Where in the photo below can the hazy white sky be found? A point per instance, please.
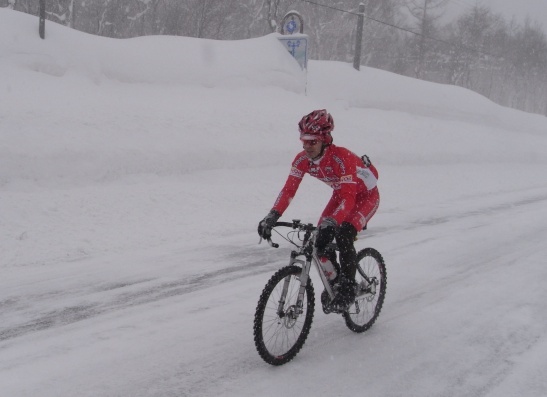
(536, 9)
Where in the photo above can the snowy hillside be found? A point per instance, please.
(133, 174)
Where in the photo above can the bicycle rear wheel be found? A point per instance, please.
(279, 329)
(372, 279)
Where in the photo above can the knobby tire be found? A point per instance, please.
(279, 338)
(371, 264)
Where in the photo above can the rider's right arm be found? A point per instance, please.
(298, 169)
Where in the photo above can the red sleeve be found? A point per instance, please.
(298, 169)
(348, 188)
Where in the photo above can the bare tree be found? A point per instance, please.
(472, 38)
(530, 59)
(61, 11)
(28, 6)
(426, 13)
(379, 35)
(273, 5)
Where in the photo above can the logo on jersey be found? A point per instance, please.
(296, 172)
(298, 161)
(314, 171)
(346, 179)
(340, 163)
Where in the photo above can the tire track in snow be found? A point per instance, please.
(145, 294)
(250, 267)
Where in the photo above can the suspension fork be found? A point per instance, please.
(306, 266)
(304, 275)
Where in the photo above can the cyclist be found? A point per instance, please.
(354, 200)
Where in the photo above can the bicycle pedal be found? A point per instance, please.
(328, 306)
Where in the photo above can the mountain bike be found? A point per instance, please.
(285, 309)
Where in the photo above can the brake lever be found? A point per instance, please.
(270, 242)
(274, 245)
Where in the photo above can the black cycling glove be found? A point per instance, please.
(266, 224)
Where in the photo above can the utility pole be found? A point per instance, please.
(42, 27)
(359, 37)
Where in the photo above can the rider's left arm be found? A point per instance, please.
(347, 192)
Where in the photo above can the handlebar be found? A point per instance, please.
(288, 224)
(295, 224)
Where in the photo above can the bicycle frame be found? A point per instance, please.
(307, 251)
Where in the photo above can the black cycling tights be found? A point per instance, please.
(344, 238)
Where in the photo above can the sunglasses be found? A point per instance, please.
(310, 142)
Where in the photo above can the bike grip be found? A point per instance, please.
(288, 224)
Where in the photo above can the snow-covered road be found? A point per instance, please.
(465, 309)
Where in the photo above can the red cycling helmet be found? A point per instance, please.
(317, 125)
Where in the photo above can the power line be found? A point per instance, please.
(403, 29)
(332, 8)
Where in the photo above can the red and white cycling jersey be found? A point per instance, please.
(355, 196)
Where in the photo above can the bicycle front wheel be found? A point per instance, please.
(371, 277)
(280, 325)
